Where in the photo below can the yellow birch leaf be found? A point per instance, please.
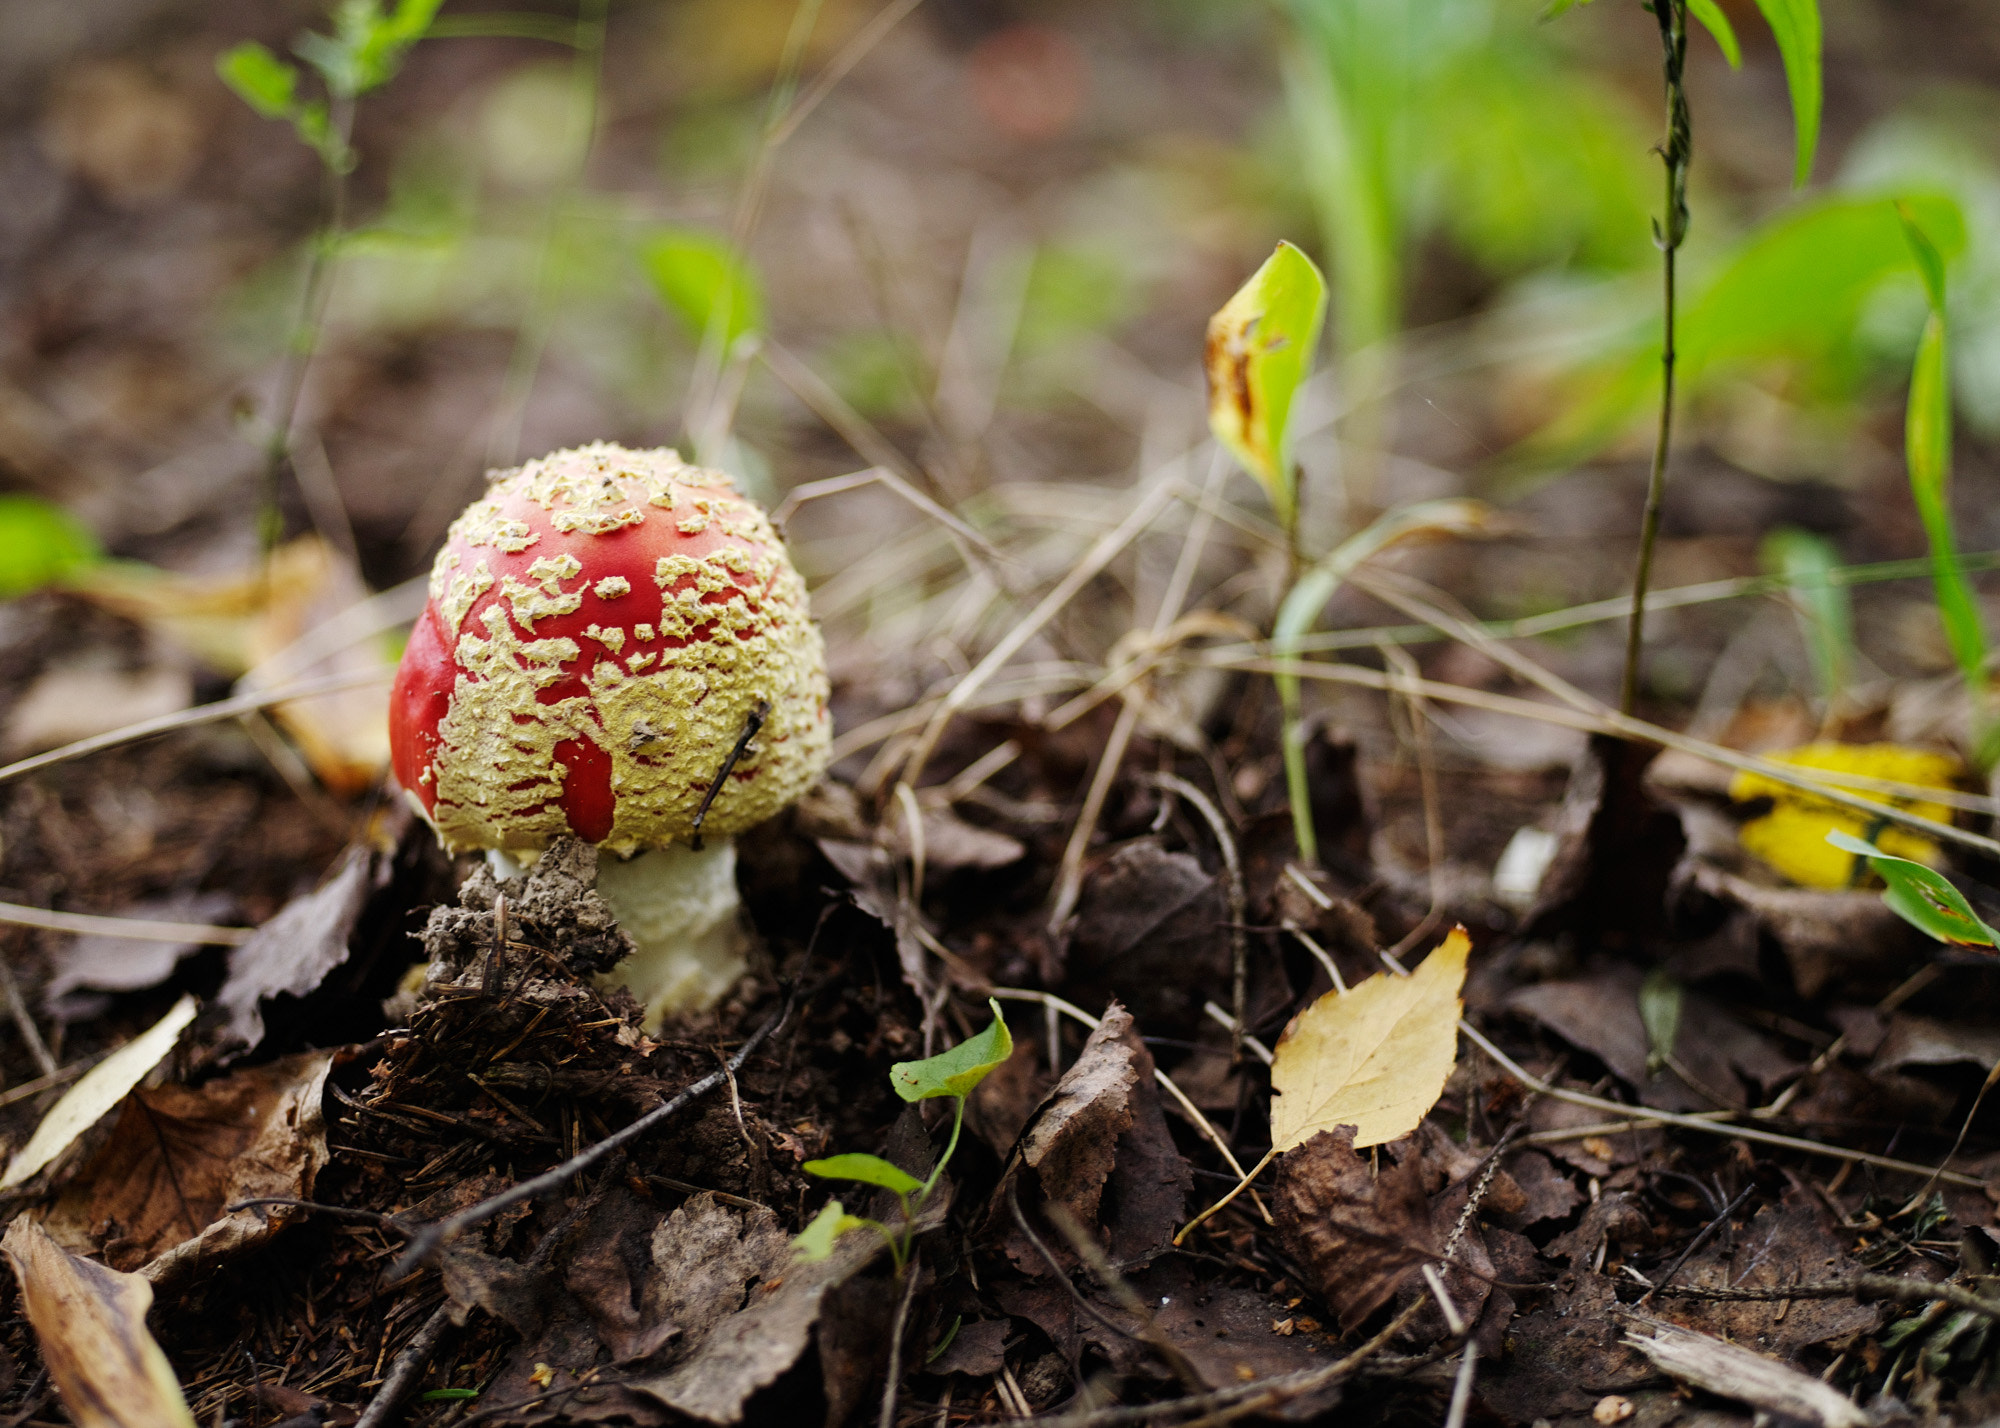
(1374, 1057)
(1792, 836)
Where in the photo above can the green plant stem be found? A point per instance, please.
(1674, 155)
(957, 1123)
(303, 339)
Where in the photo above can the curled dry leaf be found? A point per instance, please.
(294, 951)
(91, 1323)
(102, 1087)
(1375, 1057)
(1357, 1233)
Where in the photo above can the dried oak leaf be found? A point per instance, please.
(1358, 1235)
(91, 1324)
(152, 1198)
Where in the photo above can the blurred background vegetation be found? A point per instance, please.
(979, 239)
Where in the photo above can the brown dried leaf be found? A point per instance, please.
(294, 951)
(91, 1323)
(1357, 1235)
(1375, 1057)
(749, 1347)
(152, 1198)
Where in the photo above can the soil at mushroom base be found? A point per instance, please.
(604, 626)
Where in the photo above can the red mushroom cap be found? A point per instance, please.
(602, 624)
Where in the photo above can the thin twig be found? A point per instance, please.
(1707, 1232)
(1861, 1287)
(1726, 1129)
(1101, 1269)
(406, 1370)
(31, 1035)
(201, 714)
(1461, 1388)
(138, 929)
(429, 1239)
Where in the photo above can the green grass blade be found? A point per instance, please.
(1795, 24)
(1716, 22)
(1927, 448)
(1826, 612)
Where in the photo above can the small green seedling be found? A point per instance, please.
(1921, 896)
(952, 1073)
(364, 52)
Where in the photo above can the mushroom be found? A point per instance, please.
(617, 647)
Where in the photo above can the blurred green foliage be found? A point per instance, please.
(41, 544)
(703, 282)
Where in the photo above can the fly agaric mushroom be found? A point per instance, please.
(607, 630)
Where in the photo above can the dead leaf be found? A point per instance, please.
(1599, 1013)
(1099, 1148)
(1563, 1357)
(91, 1324)
(1357, 1234)
(76, 701)
(123, 964)
(102, 1087)
(1149, 932)
(1618, 850)
(293, 952)
(152, 1198)
(1788, 1243)
(977, 1350)
(1375, 1057)
(746, 1348)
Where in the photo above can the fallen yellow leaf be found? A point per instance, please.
(1374, 1057)
(1792, 836)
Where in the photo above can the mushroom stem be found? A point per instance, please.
(680, 905)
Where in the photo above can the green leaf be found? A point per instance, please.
(868, 1169)
(815, 1242)
(957, 1071)
(1795, 25)
(260, 79)
(703, 281)
(1259, 352)
(1660, 1012)
(445, 1395)
(41, 544)
(1929, 261)
(1922, 896)
(1714, 20)
(1807, 562)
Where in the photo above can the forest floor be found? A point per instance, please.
(1695, 1110)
